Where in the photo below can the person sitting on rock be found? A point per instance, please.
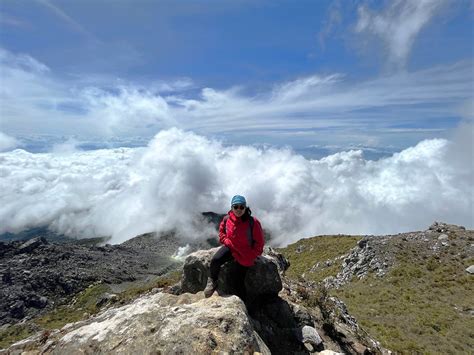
(242, 239)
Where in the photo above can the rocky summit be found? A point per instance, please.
(409, 292)
(284, 323)
(269, 322)
(158, 323)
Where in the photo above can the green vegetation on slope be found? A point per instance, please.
(305, 253)
(422, 305)
(16, 332)
(167, 280)
(84, 304)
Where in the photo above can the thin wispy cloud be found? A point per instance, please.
(33, 98)
(332, 21)
(398, 25)
(8, 20)
(73, 24)
(21, 62)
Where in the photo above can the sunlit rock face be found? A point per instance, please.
(158, 323)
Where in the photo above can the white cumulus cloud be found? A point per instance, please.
(7, 142)
(128, 191)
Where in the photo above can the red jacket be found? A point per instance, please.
(237, 239)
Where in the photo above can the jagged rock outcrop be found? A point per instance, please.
(156, 324)
(374, 254)
(361, 260)
(312, 306)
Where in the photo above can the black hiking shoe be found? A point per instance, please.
(210, 287)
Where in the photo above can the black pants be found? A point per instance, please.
(222, 256)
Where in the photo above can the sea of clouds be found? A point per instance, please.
(127, 191)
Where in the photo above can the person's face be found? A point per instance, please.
(239, 210)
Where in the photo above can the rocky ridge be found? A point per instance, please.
(283, 316)
(373, 254)
(412, 291)
(277, 311)
(272, 320)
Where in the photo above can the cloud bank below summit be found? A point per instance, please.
(127, 191)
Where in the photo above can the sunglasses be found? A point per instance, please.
(238, 207)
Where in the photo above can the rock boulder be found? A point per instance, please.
(262, 279)
(159, 323)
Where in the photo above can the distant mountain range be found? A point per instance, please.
(50, 236)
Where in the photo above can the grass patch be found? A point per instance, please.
(421, 306)
(83, 304)
(14, 333)
(163, 281)
(305, 253)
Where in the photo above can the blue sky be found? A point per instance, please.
(319, 76)
(331, 117)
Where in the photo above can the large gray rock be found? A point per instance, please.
(196, 270)
(262, 279)
(157, 324)
(311, 336)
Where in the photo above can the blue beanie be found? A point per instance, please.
(238, 200)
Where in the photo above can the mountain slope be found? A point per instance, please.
(411, 291)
